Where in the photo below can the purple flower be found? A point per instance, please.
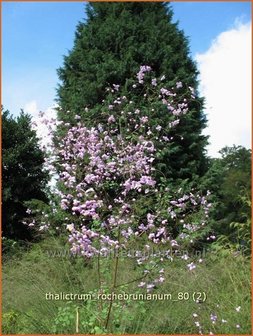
(179, 85)
(150, 287)
(142, 284)
(144, 119)
(141, 73)
(116, 87)
(111, 119)
(191, 266)
(213, 318)
(154, 82)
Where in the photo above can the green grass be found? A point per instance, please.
(27, 277)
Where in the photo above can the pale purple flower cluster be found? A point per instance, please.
(169, 98)
(90, 161)
(154, 82)
(213, 318)
(141, 73)
(103, 171)
(179, 85)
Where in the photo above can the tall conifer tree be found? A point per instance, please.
(23, 177)
(109, 47)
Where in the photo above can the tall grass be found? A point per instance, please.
(28, 277)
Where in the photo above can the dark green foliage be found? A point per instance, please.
(109, 48)
(22, 175)
(229, 180)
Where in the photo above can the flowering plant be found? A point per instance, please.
(108, 186)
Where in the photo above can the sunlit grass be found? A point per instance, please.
(225, 281)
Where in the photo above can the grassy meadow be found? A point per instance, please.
(47, 267)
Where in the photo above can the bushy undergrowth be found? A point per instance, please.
(48, 268)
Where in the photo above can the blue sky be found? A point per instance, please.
(35, 38)
(203, 21)
(36, 35)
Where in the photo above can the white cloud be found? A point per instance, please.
(43, 130)
(225, 82)
(43, 125)
(31, 108)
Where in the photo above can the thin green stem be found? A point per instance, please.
(113, 283)
(99, 282)
(126, 283)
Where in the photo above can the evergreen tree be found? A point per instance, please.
(229, 180)
(22, 176)
(109, 48)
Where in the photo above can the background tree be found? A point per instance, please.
(22, 176)
(229, 180)
(109, 48)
